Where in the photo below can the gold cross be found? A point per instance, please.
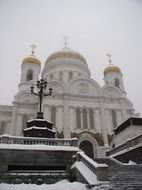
(66, 40)
(33, 46)
(109, 58)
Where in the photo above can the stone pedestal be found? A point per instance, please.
(39, 128)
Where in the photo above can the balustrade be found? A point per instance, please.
(5, 139)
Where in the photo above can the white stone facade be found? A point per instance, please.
(80, 107)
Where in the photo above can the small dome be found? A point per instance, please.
(31, 59)
(111, 69)
(66, 53)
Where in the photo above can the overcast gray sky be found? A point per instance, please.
(94, 28)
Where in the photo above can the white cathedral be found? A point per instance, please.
(79, 107)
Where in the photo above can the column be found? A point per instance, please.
(94, 118)
(71, 119)
(88, 119)
(81, 118)
(74, 114)
(109, 121)
(47, 112)
(19, 126)
(97, 120)
(123, 107)
(59, 119)
(8, 127)
(66, 118)
(119, 117)
(103, 123)
(13, 123)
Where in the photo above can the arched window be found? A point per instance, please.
(2, 128)
(91, 119)
(53, 115)
(29, 75)
(78, 118)
(117, 82)
(114, 119)
(84, 118)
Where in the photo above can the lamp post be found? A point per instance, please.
(41, 85)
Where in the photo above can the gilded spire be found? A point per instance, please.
(33, 46)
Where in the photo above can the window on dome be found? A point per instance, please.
(117, 83)
(2, 128)
(51, 76)
(60, 75)
(29, 75)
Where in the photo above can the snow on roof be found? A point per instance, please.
(40, 128)
(38, 120)
(38, 147)
(64, 185)
(90, 177)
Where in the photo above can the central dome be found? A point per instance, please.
(66, 53)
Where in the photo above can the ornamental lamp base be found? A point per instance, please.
(40, 115)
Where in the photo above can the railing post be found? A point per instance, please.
(5, 139)
(74, 142)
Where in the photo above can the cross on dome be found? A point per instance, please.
(33, 46)
(109, 58)
(65, 41)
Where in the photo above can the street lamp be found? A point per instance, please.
(41, 85)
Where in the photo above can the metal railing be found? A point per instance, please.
(6, 139)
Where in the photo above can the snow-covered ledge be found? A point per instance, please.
(7, 139)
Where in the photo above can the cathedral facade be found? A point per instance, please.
(79, 107)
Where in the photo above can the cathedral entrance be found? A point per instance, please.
(87, 147)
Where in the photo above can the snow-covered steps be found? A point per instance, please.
(122, 176)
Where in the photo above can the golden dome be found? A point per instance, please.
(31, 59)
(111, 69)
(66, 53)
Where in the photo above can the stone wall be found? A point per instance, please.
(12, 158)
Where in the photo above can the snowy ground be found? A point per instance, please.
(62, 185)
